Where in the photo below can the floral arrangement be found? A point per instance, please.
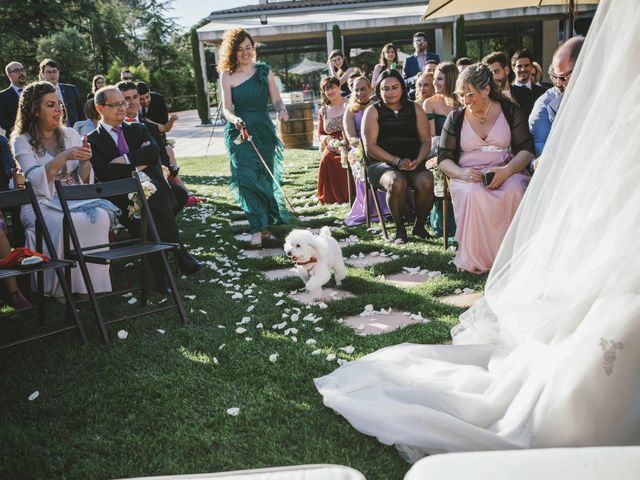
(357, 161)
(341, 146)
(148, 188)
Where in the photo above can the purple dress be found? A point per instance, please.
(357, 214)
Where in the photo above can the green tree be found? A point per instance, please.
(461, 45)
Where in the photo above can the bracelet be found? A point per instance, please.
(396, 161)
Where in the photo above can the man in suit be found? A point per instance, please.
(153, 105)
(499, 64)
(9, 97)
(414, 64)
(131, 96)
(522, 64)
(68, 94)
(118, 149)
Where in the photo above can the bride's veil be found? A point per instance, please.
(576, 235)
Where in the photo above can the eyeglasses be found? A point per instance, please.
(18, 70)
(461, 96)
(563, 78)
(419, 40)
(117, 105)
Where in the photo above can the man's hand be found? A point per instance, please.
(119, 160)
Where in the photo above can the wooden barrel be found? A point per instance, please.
(297, 132)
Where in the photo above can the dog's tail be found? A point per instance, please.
(325, 231)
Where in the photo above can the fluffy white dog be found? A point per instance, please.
(315, 257)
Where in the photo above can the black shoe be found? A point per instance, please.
(187, 263)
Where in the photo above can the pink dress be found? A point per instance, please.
(482, 215)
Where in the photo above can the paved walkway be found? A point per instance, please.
(193, 140)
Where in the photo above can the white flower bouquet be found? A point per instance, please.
(148, 188)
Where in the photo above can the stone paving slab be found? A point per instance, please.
(463, 300)
(406, 280)
(243, 237)
(264, 252)
(237, 223)
(329, 295)
(366, 261)
(379, 323)
(280, 273)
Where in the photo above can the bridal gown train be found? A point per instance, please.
(550, 356)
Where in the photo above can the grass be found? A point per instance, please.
(157, 403)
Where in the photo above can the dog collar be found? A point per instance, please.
(311, 260)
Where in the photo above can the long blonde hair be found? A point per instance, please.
(28, 114)
(450, 72)
(231, 40)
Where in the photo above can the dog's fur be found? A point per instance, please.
(303, 246)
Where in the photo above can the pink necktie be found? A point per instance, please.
(123, 148)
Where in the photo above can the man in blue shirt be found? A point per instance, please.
(546, 106)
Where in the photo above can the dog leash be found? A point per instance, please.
(245, 135)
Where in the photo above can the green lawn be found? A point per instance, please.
(157, 403)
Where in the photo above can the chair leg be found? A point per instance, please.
(41, 299)
(445, 234)
(174, 289)
(367, 189)
(349, 190)
(72, 310)
(376, 203)
(94, 301)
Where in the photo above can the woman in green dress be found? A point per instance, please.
(247, 86)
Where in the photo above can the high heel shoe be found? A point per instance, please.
(18, 301)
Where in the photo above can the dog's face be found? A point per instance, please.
(300, 246)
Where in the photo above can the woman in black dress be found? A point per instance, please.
(397, 140)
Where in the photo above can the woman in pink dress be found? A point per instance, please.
(484, 150)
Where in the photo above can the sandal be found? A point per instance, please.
(256, 240)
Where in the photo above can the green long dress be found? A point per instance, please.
(251, 185)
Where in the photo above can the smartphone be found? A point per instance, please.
(488, 177)
(85, 141)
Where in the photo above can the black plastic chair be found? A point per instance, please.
(26, 196)
(118, 250)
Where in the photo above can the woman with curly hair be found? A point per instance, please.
(46, 151)
(388, 59)
(247, 86)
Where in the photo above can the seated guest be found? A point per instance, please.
(97, 82)
(85, 127)
(462, 63)
(7, 164)
(397, 140)
(437, 109)
(388, 59)
(154, 109)
(118, 149)
(498, 63)
(332, 177)
(522, 65)
(360, 100)
(430, 66)
(424, 88)
(131, 96)
(489, 135)
(339, 69)
(67, 93)
(16, 299)
(17, 75)
(47, 151)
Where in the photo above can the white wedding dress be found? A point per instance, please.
(551, 356)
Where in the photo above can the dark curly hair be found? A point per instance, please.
(29, 112)
(231, 40)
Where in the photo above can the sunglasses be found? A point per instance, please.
(562, 78)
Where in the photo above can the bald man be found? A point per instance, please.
(9, 97)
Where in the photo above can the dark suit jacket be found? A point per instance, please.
(537, 91)
(104, 149)
(411, 66)
(157, 111)
(8, 109)
(72, 103)
(523, 97)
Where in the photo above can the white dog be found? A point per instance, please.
(315, 257)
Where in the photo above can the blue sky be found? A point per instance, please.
(189, 12)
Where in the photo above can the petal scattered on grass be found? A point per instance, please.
(190, 297)
(331, 357)
(350, 349)
(273, 358)
(123, 334)
(33, 396)
(311, 341)
(132, 300)
(240, 330)
(233, 411)
(159, 330)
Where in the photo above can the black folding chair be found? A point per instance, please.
(26, 196)
(117, 250)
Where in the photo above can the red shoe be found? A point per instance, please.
(193, 200)
(18, 301)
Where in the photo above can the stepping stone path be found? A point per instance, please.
(243, 237)
(264, 252)
(367, 261)
(237, 223)
(463, 300)
(406, 280)
(307, 218)
(375, 324)
(329, 295)
(280, 273)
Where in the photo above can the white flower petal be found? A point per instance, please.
(202, 312)
(331, 357)
(311, 341)
(240, 330)
(259, 325)
(273, 358)
(350, 349)
(132, 300)
(233, 411)
(123, 334)
(250, 307)
(215, 361)
(159, 330)
(127, 295)
(316, 352)
(190, 297)
(279, 302)
(33, 396)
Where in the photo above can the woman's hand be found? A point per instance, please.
(238, 123)
(78, 153)
(405, 164)
(501, 174)
(471, 175)
(283, 115)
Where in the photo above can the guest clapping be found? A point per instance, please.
(484, 149)
(339, 68)
(397, 140)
